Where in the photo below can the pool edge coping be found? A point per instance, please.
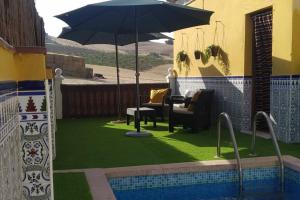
(101, 190)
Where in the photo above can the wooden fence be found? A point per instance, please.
(101, 100)
(20, 24)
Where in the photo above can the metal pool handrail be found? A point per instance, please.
(275, 143)
(237, 155)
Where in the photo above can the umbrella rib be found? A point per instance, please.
(175, 7)
(89, 18)
(89, 38)
(161, 23)
(122, 22)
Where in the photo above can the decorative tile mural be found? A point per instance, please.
(52, 117)
(33, 118)
(10, 158)
(285, 108)
(232, 95)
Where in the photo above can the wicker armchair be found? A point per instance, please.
(160, 108)
(198, 118)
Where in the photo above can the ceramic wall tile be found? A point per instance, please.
(232, 95)
(10, 158)
(34, 126)
(285, 108)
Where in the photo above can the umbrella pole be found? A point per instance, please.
(137, 76)
(119, 120)
(118, 79)
(138, 132)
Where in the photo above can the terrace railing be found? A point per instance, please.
(275, 143)
(236, 151)
(81, 101)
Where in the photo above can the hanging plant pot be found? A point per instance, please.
(215, 50)
(182, 59)
(212, 50)
(182, 56)
(197, 54)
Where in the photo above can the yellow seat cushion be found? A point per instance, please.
(195, 98)
(157, 96)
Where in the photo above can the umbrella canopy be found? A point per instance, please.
(135, 16)
(86, 37)
(122, 16)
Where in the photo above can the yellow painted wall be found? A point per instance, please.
(282, 37)
(296, 37)
(16, 66)
(30, 66)
(237, 40)
(7, 66)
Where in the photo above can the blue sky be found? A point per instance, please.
(49, 8)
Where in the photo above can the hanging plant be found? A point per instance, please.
(212, 50)
(182, 59)
(220, 55)
(197, 54)
(200, 55)
(182, 56)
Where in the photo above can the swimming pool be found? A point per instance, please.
(259, 184)
(206, 180)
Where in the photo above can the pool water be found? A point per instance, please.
(259, 184)
(254, 190)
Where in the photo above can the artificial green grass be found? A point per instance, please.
(96, 143)
(71, 186)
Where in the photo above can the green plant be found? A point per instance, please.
(182, 60)
(200, 55)
(212, 50)
(220, 55)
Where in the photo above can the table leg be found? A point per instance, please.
(154, 120)
(135, 120)
(146, 119)
(128, 119)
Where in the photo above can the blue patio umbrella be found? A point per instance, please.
(135, 16)
(86, 37)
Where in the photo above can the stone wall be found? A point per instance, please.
(71, 65)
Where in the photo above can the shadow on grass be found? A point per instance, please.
(96, 143)
(92, 143)
(208, 138)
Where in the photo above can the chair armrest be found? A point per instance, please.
(177, 99)
(143, 98)
(188, 101)
(174, 99)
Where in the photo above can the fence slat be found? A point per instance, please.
(81, 101)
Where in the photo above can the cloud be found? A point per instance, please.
(49, 8)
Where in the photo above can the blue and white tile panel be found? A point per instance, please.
(191, 178)
(232, 95)
(285, 108)
(10, 158)
(52, 117)
(33, 118)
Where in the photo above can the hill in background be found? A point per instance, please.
(152, 54)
